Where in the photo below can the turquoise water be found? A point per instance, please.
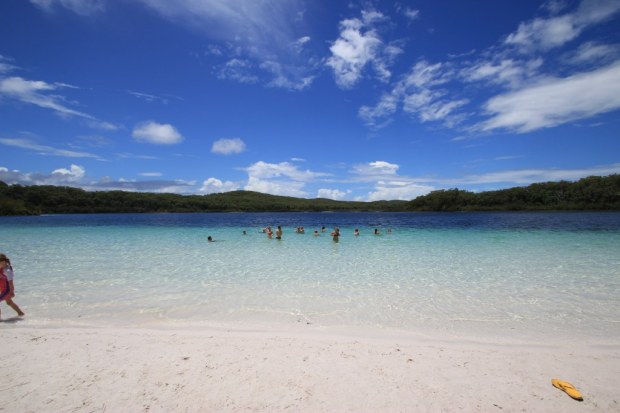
(536, 274)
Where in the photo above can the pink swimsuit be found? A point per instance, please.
(4, 286)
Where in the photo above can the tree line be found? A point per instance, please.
(592, 193)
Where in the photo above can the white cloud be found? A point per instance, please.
(62, 176)
(286, 188)
(44, 149)
(279, 179)
(332, 194)
(556, 101)
(75, 173)
(376, 168)
(157, 133)
(265, 170)
(82, 7)
(214, 185)
(412, 14)
(546, 34)
(150, 174)
(228, 146)
(403, 191)
(358, 46)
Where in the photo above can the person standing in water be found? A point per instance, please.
(279, 232)
(336, 234)
(7, 288)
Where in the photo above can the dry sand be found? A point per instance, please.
(275, 369)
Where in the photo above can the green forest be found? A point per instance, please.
(592, 193)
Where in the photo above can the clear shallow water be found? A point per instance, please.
(518, 274)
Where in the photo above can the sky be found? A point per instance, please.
(348, 100)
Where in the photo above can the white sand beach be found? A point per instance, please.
(229, 368)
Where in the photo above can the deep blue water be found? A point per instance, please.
(557, 221)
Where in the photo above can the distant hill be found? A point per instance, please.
(593, 193)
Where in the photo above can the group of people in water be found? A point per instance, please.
(335, 234)
(7, 288)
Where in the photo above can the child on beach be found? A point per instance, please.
(7, 289)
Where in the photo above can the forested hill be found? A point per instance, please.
(33, 200)
(593, 193)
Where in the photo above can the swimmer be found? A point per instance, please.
(336, 234)
(356, 232)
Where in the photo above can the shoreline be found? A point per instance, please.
(237, 366)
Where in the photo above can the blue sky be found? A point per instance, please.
(350, 100)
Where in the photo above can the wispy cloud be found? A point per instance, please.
(157, 186)
(45, 95)
(524, 95)
(548, 33)
(147, 97)
(593, 53)
(6, 65)
(556, 101)
(421, 93)
(81, 7)
(44, 149)
(530, 176)
(265, 36)
(126, 155)
(239, 70)
(39, 93)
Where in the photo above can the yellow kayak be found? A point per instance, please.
(567, 388)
